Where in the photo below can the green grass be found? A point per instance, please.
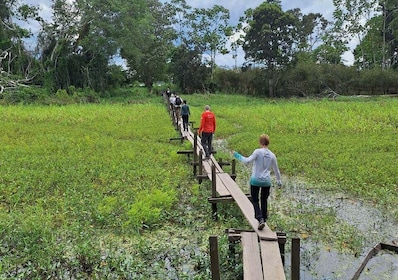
(98, 191)
(348, 145)
(70, 174)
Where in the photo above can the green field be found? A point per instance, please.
(98, 191)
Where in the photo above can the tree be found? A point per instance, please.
(178, 12)
(308, 30)
(331, 51)
(209, 32)
(146, 40)
(350, 19)
(78, 44)
(188, 71)
(269, 37)
(370, 52)
(15, 61)
(390, 34)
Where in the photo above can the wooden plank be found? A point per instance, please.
(272, 262)
(391, 247)
(221, 189)
(252, 269)
(185, 152)
(246, 207)
(373, 252)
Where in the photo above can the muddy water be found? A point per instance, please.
(374, 226)
(320, 262)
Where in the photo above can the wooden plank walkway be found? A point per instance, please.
(251, 256)
(261, 255)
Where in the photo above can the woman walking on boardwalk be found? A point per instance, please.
(260, 181)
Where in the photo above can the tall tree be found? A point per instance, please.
(389, 10)
(370, 52)
(147, 49)
(77, 45)
(179, 11)
(350, 19)
(269, 37)
(15, 61)
(209, 32)
(188, 70)
(308, 30)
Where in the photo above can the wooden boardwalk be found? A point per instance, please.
(261, 254)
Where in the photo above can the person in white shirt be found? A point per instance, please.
(260, 181)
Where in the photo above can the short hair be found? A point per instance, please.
(207, 107)
(264, 139)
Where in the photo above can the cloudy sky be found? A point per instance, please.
(236, 8)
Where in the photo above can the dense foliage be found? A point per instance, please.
(102, 46)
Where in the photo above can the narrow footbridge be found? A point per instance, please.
(261, 253)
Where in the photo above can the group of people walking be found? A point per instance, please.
(180, 108)
(263, 160)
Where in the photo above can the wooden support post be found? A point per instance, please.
(200, 167)
(282, 242)
(295, 258)
(214, 258)
(220, 163)
(214, 191)
(232, 249)
(195, 153)
(223, 163)
(233, 169)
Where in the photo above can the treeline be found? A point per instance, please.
(93, 47)
(310, 80)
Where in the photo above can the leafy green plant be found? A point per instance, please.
(78, 182)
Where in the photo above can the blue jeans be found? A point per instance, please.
(207, 137)
(260, 212)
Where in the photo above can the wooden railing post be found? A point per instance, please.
(214, 258)
(214, 191)
(233, 169)
(200, 167)
(295, 264)
(281, 243)
(195, 153)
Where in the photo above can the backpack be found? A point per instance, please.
(178, 101)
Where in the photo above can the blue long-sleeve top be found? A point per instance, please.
(263, 161)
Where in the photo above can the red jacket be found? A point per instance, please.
(207, 122)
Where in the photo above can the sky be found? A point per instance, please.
(236, 8)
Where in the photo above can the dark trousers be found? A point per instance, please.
(206, 142)
(260, 212)
(185, 121)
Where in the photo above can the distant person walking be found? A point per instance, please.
(260, 181)
(177, 106)
(172, 100)
(206, 130)
(185, 113)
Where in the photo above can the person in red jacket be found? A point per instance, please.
(206, 130)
